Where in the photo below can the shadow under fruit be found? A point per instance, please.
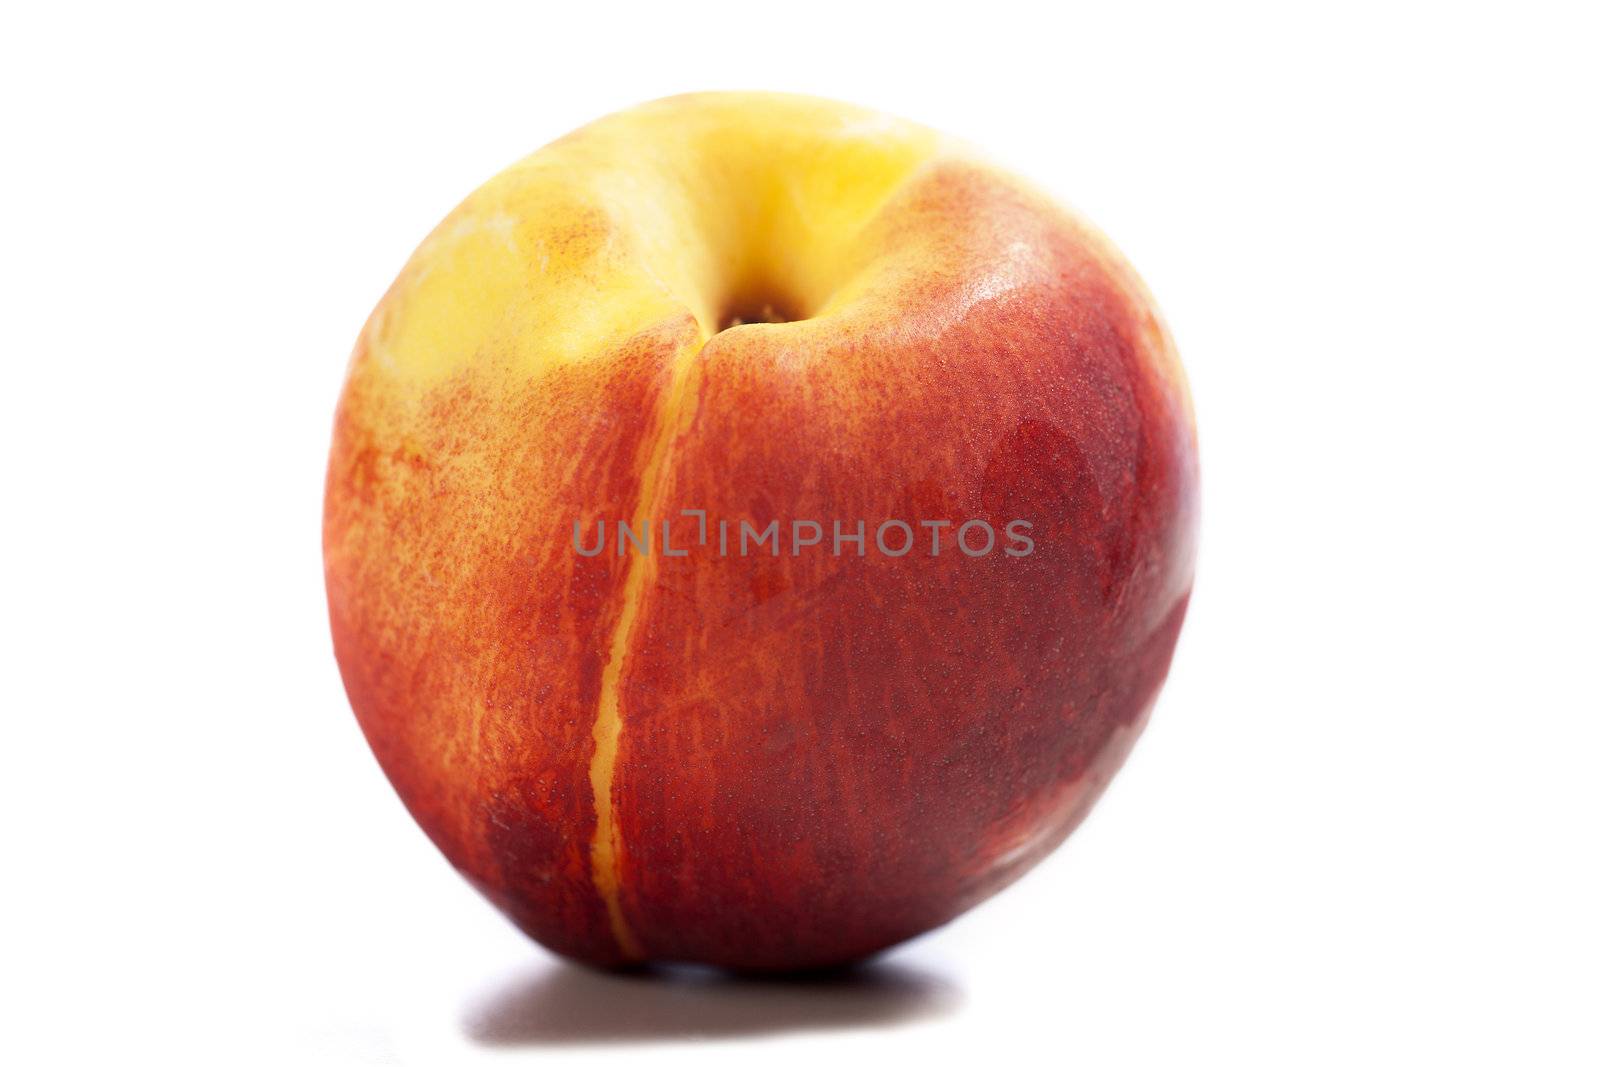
(763, 308)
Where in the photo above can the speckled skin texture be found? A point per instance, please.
(760, 762)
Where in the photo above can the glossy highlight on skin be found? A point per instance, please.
(770, 762)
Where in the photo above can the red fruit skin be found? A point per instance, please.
(819, 756)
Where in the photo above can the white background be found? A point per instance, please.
(1362, 826)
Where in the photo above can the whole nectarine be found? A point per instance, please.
(756, 530)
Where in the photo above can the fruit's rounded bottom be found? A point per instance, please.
(822, 959)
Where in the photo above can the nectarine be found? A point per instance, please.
(703, 320)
